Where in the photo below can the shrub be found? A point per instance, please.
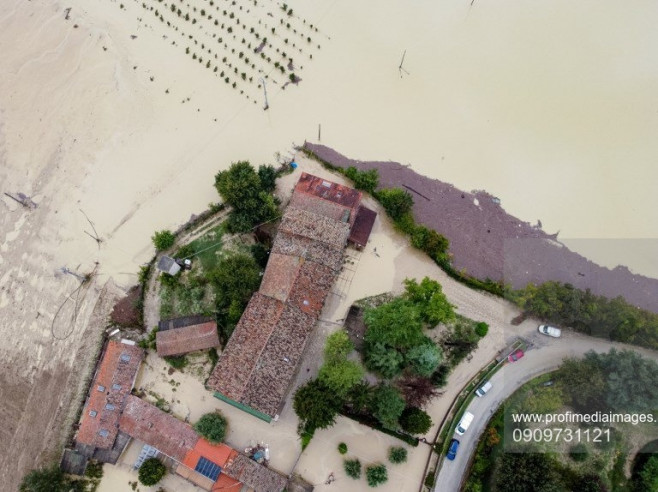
(396, 201)
(306, 438)
(212, 426)
(415, 421)
(342, 448)
(481, 329)
(440, 376)
(363, 180)
(429, 479)
(163, 240)
(397, 454)
(177, 362)
(376, 475)
(151, 472)
(352, 468)
(45, 480)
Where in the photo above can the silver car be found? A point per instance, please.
(551, 331)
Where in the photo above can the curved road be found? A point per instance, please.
(543, 356)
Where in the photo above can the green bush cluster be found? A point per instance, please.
(481, 329)
(376, 475)
(352, 468)
(163, 240)
(363, 180)
(397, 454)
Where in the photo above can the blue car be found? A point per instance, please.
(452, 450)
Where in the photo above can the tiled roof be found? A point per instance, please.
(315, 226)
(256, 476)
(179, 341)
(327, 190)
(365, 220)
(290, 244)
(280, 275)
(111, 385)
(334, 211)
(149, 424)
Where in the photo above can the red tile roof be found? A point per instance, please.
(177, 341)
(365, 220)
(115, 376)
(258, 477)
(149, 424)
(327, 190)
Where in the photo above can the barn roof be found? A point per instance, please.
(186, 339)
(315, 226)
(365, 220)
(111, 386)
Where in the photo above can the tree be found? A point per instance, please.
(481, 329)
(396, 201)
(648, 476)
(415, 421)
(376, 475)
(424, 358)
(267, 175)
(429, 241)
(341, 376)
(396, 323)
(342, 448)
(337, 347)
(417, 390)
(50, 479)
(528, 472)
(151, 472)
(316, 406)
(397, 454)
(387, 405)
(241, 187)
(212, 426)
(363, 180)
(382, 359)
(163, 240)
(428, 296)
(352, 468)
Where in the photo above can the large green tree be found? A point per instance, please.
(338, 346)
(383, 359)
(396, 323)
(424, 358)
(212, 426)
(316, 405)
(341, 376)
(151, 472)
(415, 421)
(648, 476)
(248, 193)
(387, 405)
(430, 299)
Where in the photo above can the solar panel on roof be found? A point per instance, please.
(208, 469)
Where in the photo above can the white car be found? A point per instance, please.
(482, 390)
(551, 331)
(464, 423)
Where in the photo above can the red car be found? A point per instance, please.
(516, 355)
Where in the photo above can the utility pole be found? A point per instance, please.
(265, 92)
(319, 132)
(400, 69)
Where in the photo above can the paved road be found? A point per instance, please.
(544, 355)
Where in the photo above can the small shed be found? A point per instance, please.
(168, 265)
(360, 233)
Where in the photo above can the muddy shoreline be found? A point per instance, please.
(487, 242)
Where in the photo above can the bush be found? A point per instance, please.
(376, 475)
(481, 329)
(151, 472)
(363, 180)
(177, 362)
(415, 421)
(397, 454)
(440, 376)
(429, 479)
(352, 468)
(342, 448)
(306, 438)
(212, 426)
(163, 240)
(396, 201)
(49, 479)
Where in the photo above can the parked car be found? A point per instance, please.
(452, 449)
(464, 423)
(551, 331)
(516, 355)
(482, 390)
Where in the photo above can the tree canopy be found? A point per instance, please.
(397, 323)
(387, 405)
(341, 376)
(396, 201)
(338, 346)
(415, 421)
(212, 426)
(429, 298)
(151, 472)
(248, 192)
(50, 479)
(363, 180)
(163, 240)
(316, 405)
(424, 358)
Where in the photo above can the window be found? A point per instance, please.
(103, 433)
(125, 358)
(93, 413)
(109, 406)
(101, 388)
(116, 387)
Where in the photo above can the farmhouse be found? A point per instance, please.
(258, 365)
